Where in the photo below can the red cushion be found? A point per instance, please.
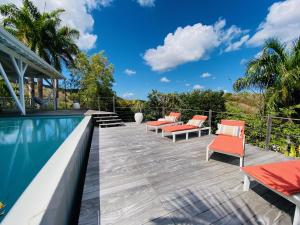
(199, 117)
(158, 123)
(228, 144)
(283, 177)
(178, 128)
(176, 114)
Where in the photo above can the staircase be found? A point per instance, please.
(107, 119)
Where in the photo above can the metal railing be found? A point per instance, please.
(7, 104)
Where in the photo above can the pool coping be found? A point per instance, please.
(44, 202)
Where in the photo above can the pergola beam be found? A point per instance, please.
(12, 92)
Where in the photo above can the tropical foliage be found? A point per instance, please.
(42, 32)
(92, 77)
(3, 89)
(276, 75)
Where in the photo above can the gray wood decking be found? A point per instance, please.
(136, 178)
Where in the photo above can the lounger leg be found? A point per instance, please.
(246, 183)
(162, 133)
(297, 216)
(174, 138)
(199, 134)
(207, 154)
(186, 136)
(209, 131)
(241, 162)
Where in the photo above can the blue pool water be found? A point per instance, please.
(26, 144)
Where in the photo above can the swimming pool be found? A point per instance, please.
(26, 144)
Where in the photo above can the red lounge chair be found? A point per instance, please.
(229, 145)
(185, 128)
(155, 125)
(281, 177)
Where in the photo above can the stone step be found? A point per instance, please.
(106, 117)
(108, 121)
(111, 124)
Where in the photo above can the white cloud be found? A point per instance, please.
(190, 43)
(128, 95)
(164, 80)
(77, 15)
(146, 3)
(87, 41)
(205, 75)
(236, 45)
(259, 54)
(282, 21)
(187, 85)
(243, 61)
(129, 72)
(198, 86)
(187, 44)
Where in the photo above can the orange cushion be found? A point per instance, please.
(239, 123)
(228, 144)
(157, 123)
(199, 117)
(178, 128)
(283, 177)
(176, 114)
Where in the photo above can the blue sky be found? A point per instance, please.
(126, 31)
(177, 45)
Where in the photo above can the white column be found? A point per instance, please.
(20, 68)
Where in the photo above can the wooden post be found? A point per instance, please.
(55, 97)
(98, 101)
(31, 90)
(65, 95)
(40, 87)
(114, 104)
(268, 134)
(209, 117)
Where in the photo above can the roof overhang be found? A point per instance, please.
(37, 67)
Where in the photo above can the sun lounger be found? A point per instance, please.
(172, 119)
(281, 177)
(228, 144)
(186, 128)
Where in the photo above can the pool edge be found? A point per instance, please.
(45, 202)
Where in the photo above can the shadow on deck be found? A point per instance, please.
(134, 177)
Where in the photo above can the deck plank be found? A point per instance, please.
(135, 178)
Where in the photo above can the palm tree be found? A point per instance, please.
(42, 33)
(276, 74)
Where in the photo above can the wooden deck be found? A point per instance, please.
(136, 178)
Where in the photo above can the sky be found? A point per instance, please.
(177, 45)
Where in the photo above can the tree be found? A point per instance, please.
(276, 74)
(93, 76)
(41, 32)
(189, 103)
